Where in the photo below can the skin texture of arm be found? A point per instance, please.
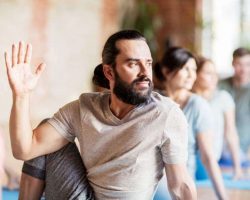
(232, 139)
(30, 188)
(211, 165)
(25, 142)
(180, 184)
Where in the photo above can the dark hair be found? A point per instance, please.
(99, 78)
(240, 52)
(200, 60)
(110, 50)
(173, 59)
(109, 53)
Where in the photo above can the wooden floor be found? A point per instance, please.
(208, 194)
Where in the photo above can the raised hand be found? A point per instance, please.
(21, 79)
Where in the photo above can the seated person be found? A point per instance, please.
(127, 136)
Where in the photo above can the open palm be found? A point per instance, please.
(21, 79)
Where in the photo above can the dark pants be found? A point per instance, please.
(63, 172)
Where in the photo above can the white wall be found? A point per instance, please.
(67, 36)
(221, 33)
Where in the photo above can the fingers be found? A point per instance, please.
(28, 54)
(7, 60)
(14, 55)
(40, 69)
(7, 64)
(20, 56)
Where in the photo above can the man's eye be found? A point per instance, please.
(132, 64)
(149, 64)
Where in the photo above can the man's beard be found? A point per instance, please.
(127, 92)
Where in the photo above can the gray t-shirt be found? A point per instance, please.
(241, 98)
(199, 117)
(221, 102)
(125, 157)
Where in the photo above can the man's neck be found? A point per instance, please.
(240, 82)
(119, 108)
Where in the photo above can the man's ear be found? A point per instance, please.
(233, 62)
(108, 72)
(165, 73)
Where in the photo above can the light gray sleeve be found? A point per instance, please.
(227, 101)
(204, 117)
(66, 120)
(175, 142)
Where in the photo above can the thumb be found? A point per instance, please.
(40, 69)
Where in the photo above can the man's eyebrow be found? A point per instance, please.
(132, 59)
(137, 59)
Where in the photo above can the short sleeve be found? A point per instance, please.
(225, 84)
(66, 120)
(175, 141)
(204, 117)
(227, 101)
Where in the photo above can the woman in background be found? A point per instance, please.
(223, 110)
(177, 73)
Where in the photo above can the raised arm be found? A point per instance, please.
(25, 142)
(180, 183)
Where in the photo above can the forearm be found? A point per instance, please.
(184, 191)
(233, 144)
(216, 177)
(20, 128)
(232, 139)
(181, 186)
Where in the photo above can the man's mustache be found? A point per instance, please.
(142, 78)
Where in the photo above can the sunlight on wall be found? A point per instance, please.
(221, 34)
(66, 36)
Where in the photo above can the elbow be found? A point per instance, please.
(183, 190)
(21, 152)
(19, 155)
(175, 191)
(232, 139)
(189, 191)
(207, 159)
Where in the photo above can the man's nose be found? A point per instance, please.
(143, 69)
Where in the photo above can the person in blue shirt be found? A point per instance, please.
(177, 72)
(223, 109)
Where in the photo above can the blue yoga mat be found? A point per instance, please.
(229, 183)
(10, 194)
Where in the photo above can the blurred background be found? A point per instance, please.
(68, 35)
